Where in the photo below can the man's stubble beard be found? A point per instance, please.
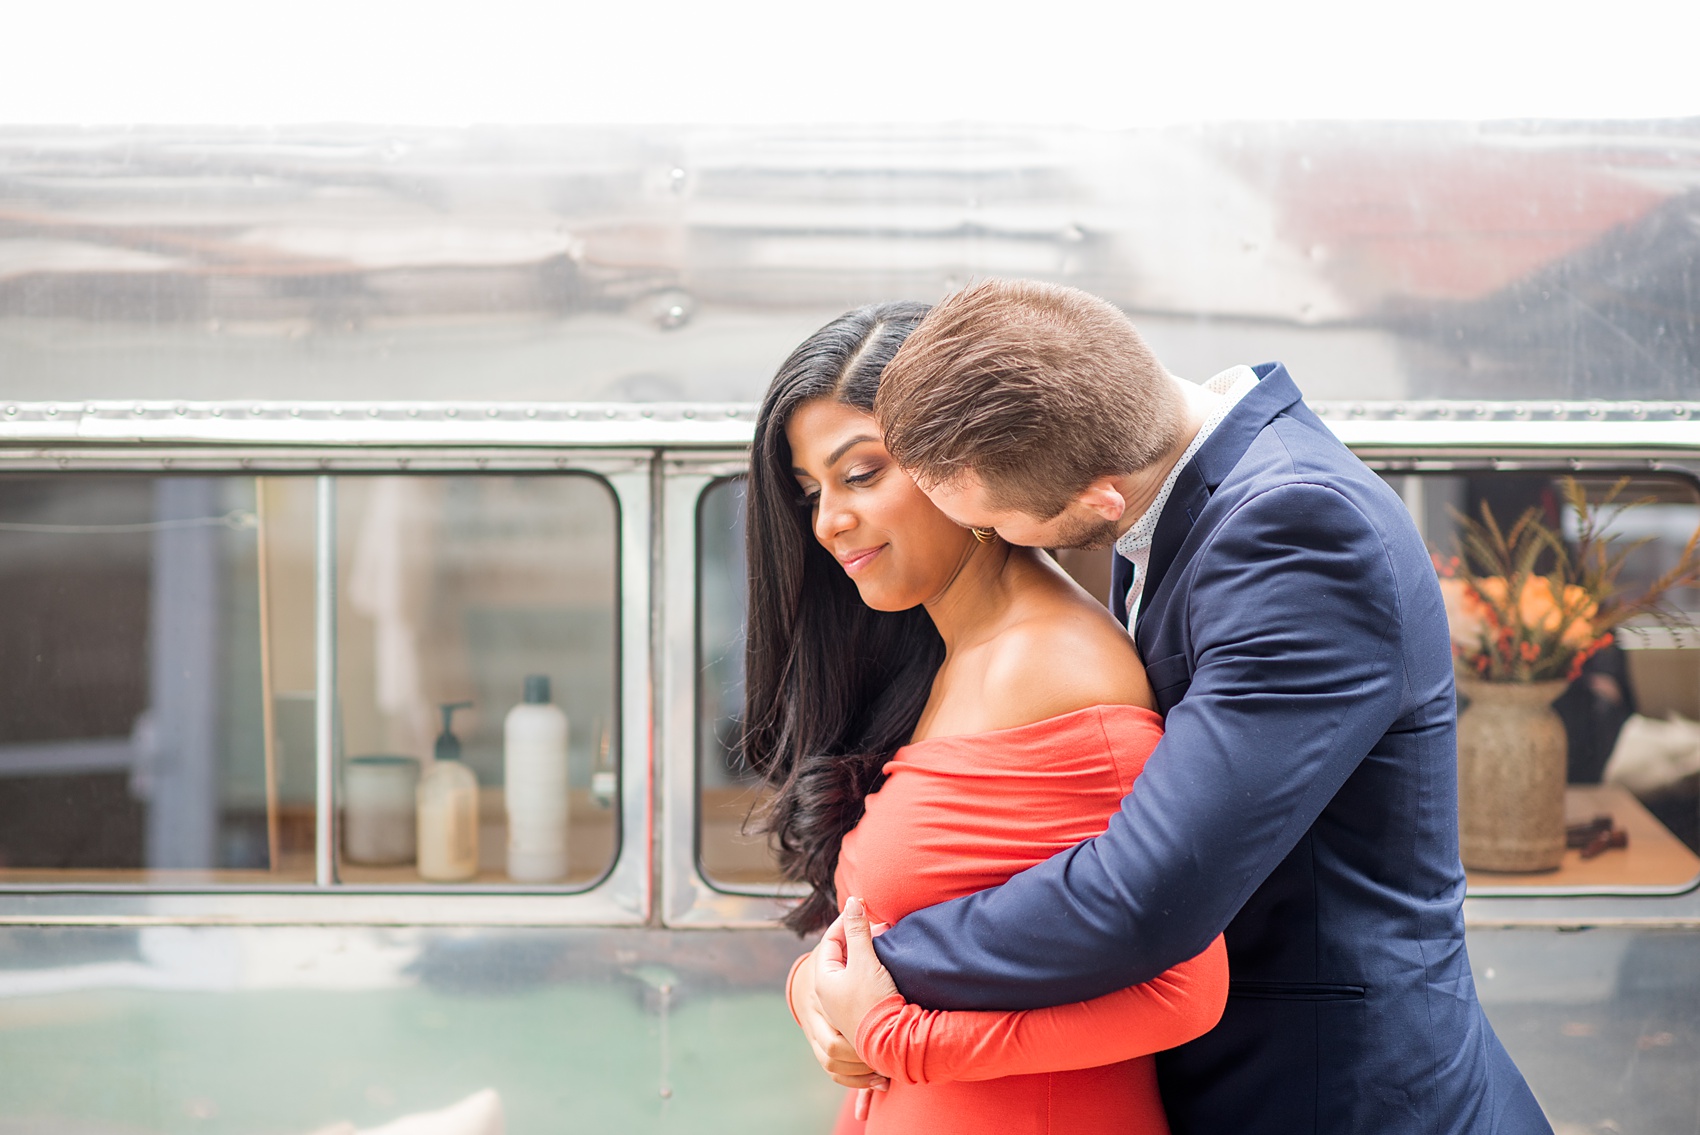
(1088, 535)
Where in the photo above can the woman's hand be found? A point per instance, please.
(833, 1051)
(848, 977)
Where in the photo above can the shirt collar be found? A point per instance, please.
(1228, 388)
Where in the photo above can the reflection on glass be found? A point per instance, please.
(729, 850)
(475, 614)
(145, 619)
(1633, 745)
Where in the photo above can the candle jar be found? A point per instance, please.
(378, 822)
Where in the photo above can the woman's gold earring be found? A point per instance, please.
(984, 535)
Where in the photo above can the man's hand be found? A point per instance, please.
(849, 979)
(832, 1050)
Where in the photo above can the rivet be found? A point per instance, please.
(531, 411)
(491, 412)
(217, 412)
(371, 411)
(295, 411)
(648, 413)
(180, 410)
(610, 412)
(52, 411)
(572, 413)
(336, 411)
(413, 411)
(690, 413)
(451, 412)
(139, 409)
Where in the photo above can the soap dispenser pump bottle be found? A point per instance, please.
(448, 810)
(534, 743)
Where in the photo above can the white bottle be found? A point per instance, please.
(534, 748)
(448, 812)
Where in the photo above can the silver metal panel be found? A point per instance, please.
(437, 428)
(630, 884)
(648, 264)
(639, 1029)
(233, 1030)
(378, 423)
(325, 685)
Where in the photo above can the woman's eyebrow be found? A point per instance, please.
(832, 458)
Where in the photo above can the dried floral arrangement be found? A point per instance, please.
(1526, 606)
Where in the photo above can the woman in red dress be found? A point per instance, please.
(937, 710)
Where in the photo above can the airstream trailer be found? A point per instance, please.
(309, 436)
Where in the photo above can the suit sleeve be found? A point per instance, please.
(922, 1046)
(1294, 622)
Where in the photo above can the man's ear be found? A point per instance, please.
(1103, 498)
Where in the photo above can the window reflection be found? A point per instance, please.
(730, 849)
(132, 726)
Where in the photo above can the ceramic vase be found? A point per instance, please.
(1511, 773)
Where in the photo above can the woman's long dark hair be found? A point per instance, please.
(832, 687)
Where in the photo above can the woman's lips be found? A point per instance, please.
(855, 561)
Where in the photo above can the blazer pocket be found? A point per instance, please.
(1294, 991)
(1168, 674)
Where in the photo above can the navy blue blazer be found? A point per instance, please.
(1303, 801)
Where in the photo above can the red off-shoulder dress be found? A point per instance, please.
(958, 815)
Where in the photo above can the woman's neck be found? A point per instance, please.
(972, 606)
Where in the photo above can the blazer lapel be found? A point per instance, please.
(1209, 467)
(1121, 579)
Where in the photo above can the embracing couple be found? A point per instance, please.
(1190, 868)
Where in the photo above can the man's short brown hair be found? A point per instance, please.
(1037, 388)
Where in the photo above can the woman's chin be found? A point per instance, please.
(884, 599)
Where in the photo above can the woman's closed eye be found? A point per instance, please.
(810, 498)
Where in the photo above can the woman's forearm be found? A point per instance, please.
(919, 1046)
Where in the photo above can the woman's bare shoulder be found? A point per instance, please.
(1063, 658)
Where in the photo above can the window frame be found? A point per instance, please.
(325, 442)
(658, 460)
(690, 897)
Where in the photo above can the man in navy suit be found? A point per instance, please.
(1303, 800)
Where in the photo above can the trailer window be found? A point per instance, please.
(731, 849)
(158, 673)
(462, 591)
(1632, 744)
(133, 742)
